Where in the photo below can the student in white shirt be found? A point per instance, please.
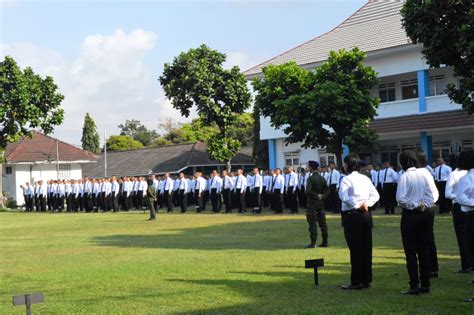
(241, 188)
(357, 194)
(278, 186)
(182, 191)
(168, 192)
(199, 188)
(291, 190)
(389, 179)
(302, 178)
(215, 190)
(257, 190)
(465, 197)
(416, 196)
(459, 217)
(227, 184)
(334, 203)
(441, 174)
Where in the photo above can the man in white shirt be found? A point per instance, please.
(291, 190)
(302, 187)
(266, 184)
(269, 193)
(199, 188)
(278, 186)
(333, 176)
(29, 193)
(215, 188)
(441, 173)
(168, 192)
(182, 191)
(115, 188)
(459, 217)
(227, 184)
(389, 187)
(416, 195)
(257, 190)
(240, 189)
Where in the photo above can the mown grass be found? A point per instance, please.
(118, 263)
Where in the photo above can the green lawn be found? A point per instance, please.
(226, 263)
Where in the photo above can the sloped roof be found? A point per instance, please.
(43, 148)
(427, 121)
(159, 160)
(375, 26)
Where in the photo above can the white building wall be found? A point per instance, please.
(305, 155)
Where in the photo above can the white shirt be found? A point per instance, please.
(182, 184)
(465, 191)
(200, 184)
(216, 183)
(191, 184)
(278, 183)
(142, 186)
(241, 183)
(95, 188)
(61, 190)
(375, 178)
(135, 185)
(387, 176)
(250, 181)
(168, 185)
(442, 172)
(451, 184)
(430, 169)
(257, 182)
(293, 182)
(29, 191)
(414, 190)
(115, 188)
(176, 184)
(227, 183)
(356, 189)
(267, 179)
(333, 178)
(127, 187)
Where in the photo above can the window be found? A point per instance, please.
(292, 159)
(387, 92)
(64, 171)
(409, 89)
(8, 170)
(326, 159)
(437, 85)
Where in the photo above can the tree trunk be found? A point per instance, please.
(228, 167)
(338, 153)
(2, 203)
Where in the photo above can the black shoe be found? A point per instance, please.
(424, 290)
(352, 287)
(469, 300)
(434, 274)
(366, 285)
(463, 271)
(323, 244)
(411, 291)
(310, 246)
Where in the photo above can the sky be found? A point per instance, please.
(106, 56)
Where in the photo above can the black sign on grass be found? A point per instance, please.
(28, 299)
(315, 264)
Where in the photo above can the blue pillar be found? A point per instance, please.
(345, 150)
(271, 154)
(426, 146)
(423, 89)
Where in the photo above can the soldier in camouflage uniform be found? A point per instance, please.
(317, 191)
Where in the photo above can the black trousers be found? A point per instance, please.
(270, 200)
(459, 222)
(265, 199)
(241, 199)
(278, 201)
(358, 235)
(126, 201)
(302, 197)
(257, 200)
(416, 230)
(199, 198)
(432, 245)
(380, 191)
(292, 200)
(29, 202)
(469, 234)
(389, 197)
(334, 201)
(215, 198)
(50, 201)
(168, 197)
(443, 202)
(183, 200)
(115, 203)
(226, 195)
(139, 197)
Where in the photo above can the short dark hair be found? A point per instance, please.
(408, 159)
(352, 162)
(422, 160)
(466, 160)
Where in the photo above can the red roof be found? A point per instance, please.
(41, 148)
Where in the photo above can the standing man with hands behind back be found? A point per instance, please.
(316, 191)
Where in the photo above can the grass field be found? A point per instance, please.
(118, 263)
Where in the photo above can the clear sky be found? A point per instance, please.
(106, 55)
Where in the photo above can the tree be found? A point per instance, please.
(120, 143)
(27, 101)
(321, 108)
(259, 147)
(90, 137)
(197, 79)
(133, 128)
(445, 28)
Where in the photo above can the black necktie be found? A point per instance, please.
(385, 176)
(330, 178)
(440, 172)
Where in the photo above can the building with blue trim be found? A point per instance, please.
(415, 111)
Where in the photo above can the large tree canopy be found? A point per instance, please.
(139, 132)
(90, 137)
(27, 101)
(322, 108)
(196, 78)
(120, 143)
(446, 30)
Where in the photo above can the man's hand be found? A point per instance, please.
(364, 207)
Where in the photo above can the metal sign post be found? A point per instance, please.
(315, 264)
(27, 300)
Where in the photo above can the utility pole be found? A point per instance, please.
(105, 153)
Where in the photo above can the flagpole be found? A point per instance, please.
(105, 153)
